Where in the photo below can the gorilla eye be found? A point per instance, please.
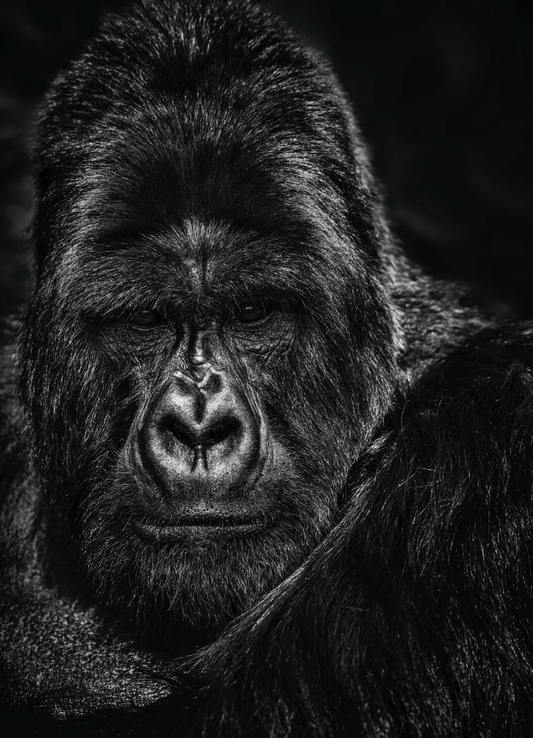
(146, 319)
(252, 313)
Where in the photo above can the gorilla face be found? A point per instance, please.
(211, 342)
(220, 486)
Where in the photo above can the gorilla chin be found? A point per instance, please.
(197, 571)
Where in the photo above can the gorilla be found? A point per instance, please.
(262, 476)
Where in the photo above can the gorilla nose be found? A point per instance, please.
(200, 438)
(199, 415)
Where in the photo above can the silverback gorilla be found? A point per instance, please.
(261, 475)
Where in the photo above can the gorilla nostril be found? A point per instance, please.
(221, 431)
(178, 431)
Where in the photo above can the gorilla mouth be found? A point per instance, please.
(200, 525)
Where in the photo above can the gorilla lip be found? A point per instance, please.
(199, 524)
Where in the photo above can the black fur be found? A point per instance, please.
(196, 161)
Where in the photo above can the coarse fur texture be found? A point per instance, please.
(261, 475)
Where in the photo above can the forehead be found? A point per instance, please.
(170, 169)
(207, 211)
(138, 243)
(198, 204)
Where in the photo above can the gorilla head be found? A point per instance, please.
(211, 342)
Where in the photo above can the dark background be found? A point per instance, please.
(443, 91)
